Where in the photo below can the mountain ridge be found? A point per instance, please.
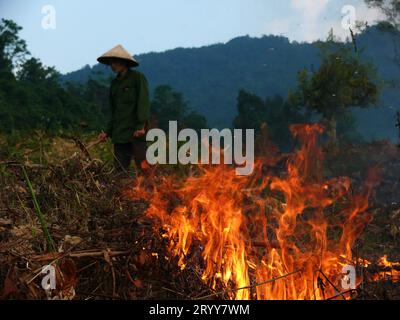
(210, 76)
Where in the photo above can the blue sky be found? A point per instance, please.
(84, 29)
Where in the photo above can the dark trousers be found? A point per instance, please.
(125, 151)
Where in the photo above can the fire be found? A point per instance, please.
(390, 269)
(264, 236)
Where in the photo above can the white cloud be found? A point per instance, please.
(369, 14)
(315, 22)
(310, 11)
(363, 13)
(310, 8)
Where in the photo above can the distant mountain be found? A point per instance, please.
(211, 76)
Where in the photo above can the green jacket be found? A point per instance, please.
(130, 106)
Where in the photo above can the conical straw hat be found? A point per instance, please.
(120, 53)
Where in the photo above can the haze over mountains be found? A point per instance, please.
(211, 76)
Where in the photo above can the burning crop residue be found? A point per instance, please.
(295, 226)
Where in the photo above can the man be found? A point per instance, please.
(130, 110)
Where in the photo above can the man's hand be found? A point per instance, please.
(102, 136)
(139, 133)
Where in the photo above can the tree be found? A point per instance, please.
(97, 92)
(34, 98)
(251, 111)
(195, 121)
(169, 105)
(32, 70)
(391, 10)
(342, 81)
(275, 112)
(12, 49)
(280, 115)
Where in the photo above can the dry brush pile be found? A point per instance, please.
(70, 212)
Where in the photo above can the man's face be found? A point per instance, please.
(117, 66)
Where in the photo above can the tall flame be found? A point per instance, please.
(265, 226)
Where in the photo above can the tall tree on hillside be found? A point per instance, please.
(31, 96)
(12, 49)
(342, 81)
(12, 53)
(251, 111)
(32, 70)
(391, 10)
(273, 114)
(194, 120)
(97, 92)
(169, 105)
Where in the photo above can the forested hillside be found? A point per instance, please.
(210, 77)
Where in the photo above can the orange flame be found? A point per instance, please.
(392, 269)
(257, 228)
